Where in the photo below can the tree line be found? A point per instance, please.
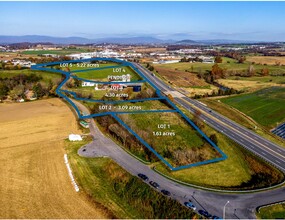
(17, 87)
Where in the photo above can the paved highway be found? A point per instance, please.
(240, 206)
(260, 146)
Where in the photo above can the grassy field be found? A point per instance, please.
(184, 146)
(272, 212)
(179, 78)
(80, 66)
(229, 64)
(263, 79)
(128, 106)
(10, 55)
(238, 117)
(266, 106)
(33, 177)
(103, 74)
(251, 84)
(127, 196)
(227, 111)
(146, 105)
(200, 90)
(47, 76)
(269, 60)
(238, 171)
(85, 91)
(59, 52)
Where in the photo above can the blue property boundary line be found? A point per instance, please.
(68, 75)
(157, 154)
(129, 112)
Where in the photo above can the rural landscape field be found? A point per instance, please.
(34, 178)
(142, 110)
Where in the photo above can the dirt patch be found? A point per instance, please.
(34, 181)
(200, 91)
(180, 78)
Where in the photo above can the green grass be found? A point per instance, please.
(222, 175)
(229, 112)
(185, 147)
(272, 212)
(146, 105)
(59, 52)
(128, 106)
(124, 195)
(79, 67)
(239, 168)
(231, 66)
(104, 73)
(97, 94)
(47, 76)
(236, 116)
(266, 106)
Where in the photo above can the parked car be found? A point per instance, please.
(165, 192)
(190, 205)
(142, 176)
(154, 184)
(204, 213)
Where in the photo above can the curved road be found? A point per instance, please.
(240, 206)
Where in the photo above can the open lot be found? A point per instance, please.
(269, 60)
(103, 74)
(127, 106)
(88, 65)
(263, 79)
(54, 77)
(251, 84)
(178, 77)
(229, 64)
(106, 92)
(266, 106)
(34, 182)
(177, 141)
(11, 56)
(240, 171)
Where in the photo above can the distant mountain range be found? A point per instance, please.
(129, 40)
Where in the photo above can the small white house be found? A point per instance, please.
(75, 137)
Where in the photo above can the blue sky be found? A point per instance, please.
(165, 20)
